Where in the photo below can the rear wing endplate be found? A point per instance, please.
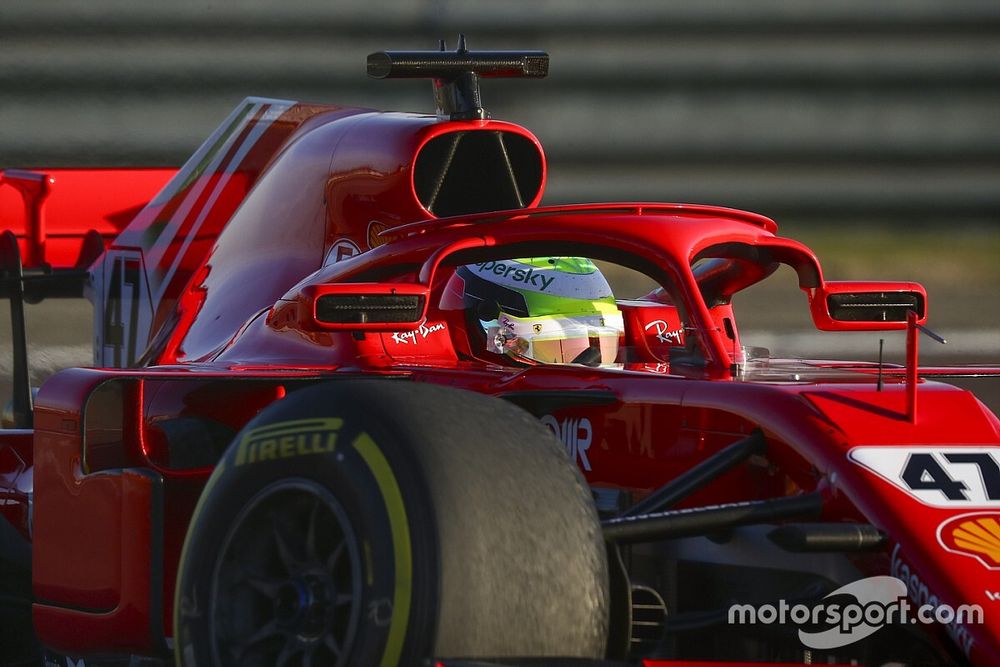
(56, 224)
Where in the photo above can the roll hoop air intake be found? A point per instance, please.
(456, 73)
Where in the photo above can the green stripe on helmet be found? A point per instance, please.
(542, 305)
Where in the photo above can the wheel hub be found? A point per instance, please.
(304, 605)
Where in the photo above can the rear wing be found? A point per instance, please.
(56, 222)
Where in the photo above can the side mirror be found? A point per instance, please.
(353, 307)
(867, 306)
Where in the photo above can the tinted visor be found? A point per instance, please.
(591, 339)
(571, 350)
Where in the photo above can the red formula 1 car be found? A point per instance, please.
(360, 401)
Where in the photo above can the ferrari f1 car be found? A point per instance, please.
(359, 400)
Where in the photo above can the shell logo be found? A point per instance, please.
(975, 535)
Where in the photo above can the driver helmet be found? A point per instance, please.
(552, 310)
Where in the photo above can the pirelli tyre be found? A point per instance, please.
(378, 522)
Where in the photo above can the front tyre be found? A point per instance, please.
(381, 522)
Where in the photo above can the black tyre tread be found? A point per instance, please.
(546, 586)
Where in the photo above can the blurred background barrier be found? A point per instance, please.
(803, 109)
(870, 130)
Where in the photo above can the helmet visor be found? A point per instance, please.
(570, 350)
(557, 340)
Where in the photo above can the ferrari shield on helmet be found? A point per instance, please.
(554, 310)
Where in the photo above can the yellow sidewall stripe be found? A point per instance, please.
(400, 546)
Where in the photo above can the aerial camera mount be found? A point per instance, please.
(455, 74)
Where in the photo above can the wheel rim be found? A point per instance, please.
(286, 588)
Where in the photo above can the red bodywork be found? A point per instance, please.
(205, 300)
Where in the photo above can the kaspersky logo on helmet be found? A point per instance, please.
(511, 271)
(572, 277)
